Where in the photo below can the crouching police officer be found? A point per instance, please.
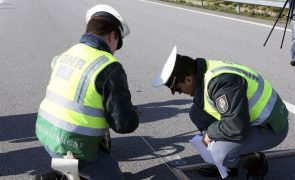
(87, 94)
(234, 106)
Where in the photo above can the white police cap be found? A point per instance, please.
(124, 29)
(167, 70)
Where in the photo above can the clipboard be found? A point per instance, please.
(206, 154)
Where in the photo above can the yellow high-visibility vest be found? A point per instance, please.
(71, 117)
(261, 96)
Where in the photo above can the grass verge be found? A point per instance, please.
(262, 12)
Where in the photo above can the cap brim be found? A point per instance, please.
(167, 70)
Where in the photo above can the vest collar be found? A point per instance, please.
(95, 42)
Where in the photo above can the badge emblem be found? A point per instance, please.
(221, 104)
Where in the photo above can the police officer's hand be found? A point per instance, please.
(206, 139)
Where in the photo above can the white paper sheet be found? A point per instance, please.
(205, 153)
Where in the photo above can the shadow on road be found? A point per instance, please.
(162, 110)
(25, 161)
(18, 128)
(133, 151)
(18, 132)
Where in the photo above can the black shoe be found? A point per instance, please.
(233, 172)
(260, 169)
(50, 176)
(128, 175)
(212, 171)
(209, 171)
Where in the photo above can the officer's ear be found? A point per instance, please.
(111, 36)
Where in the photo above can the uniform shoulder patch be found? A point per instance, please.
(222, 104)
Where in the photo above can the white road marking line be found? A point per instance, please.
(218, 16)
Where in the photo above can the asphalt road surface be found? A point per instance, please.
(33, 32)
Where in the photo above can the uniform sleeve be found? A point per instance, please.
(112, 84)
(229, 93)
(200, 118)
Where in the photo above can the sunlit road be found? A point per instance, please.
(33, 32)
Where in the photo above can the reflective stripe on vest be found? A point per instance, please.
(74, 106)
(252, 100)
(85, 79)
(71, 127)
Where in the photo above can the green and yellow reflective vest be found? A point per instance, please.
(71, 116)
(265, 105)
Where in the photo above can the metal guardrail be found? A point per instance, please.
(271, 3)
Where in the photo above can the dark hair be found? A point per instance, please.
(184, 66)
(101, 26)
